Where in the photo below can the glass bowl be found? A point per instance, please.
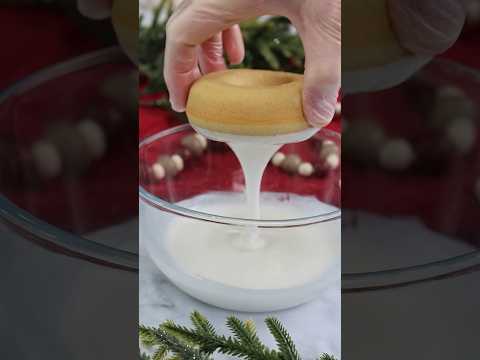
(78, 212)
(176, 211)
(425, 219)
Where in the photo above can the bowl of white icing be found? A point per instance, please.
(271, 249)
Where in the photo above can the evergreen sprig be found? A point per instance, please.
(172, 341)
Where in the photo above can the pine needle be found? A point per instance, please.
(244, 333)
(201, 324)
(284, 341)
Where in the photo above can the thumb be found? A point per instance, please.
(322, 75)
(427, 27)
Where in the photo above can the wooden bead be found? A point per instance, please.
(328, 156)
(461, 133)
(202, 139)
(450, 103)
(278, 158)
(328, 162)
(327, 147)
(94, 137)
(158, 171)
(291, 163)
(169, 165)
(306, 169)
(177, 159)
(396, 155)
(46, 159)
(194, 143)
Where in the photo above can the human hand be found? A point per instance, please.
(200, 31)
(428, 27)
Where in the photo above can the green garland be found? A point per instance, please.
(170, 341)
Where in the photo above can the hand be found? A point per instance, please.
(428, 27)
(200, 31)
(95, 9)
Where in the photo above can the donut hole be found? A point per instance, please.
(259, 80)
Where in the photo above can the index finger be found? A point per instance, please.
(189, 27)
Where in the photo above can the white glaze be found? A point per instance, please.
(287, 257)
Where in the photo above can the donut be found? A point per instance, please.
(126, 26)
(372, 57)
(247, 102)
(368, 37)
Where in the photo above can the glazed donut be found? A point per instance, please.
(248, 102)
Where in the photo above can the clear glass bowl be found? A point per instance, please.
(73, 215)
(445, 241)
(217, 175)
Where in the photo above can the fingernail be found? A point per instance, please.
(321, 111)
(427, 27)
(176, 107)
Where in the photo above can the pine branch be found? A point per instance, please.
(161, 353)
(201, 324)
(175, 345)
(285, 344)
(202, 340)
(245, 333)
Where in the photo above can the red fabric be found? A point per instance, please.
(34, 38)
(43, 38)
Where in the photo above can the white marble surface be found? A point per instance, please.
(315, 327)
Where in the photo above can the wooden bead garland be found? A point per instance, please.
(306, 169)
(65, 149)
(94, 137)
(291, 163)
(452, 119)
(168, 166)
(278, 158)
(68, 149)
(196, 143)
(461, 133)
(396, 155)
(329, 159)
